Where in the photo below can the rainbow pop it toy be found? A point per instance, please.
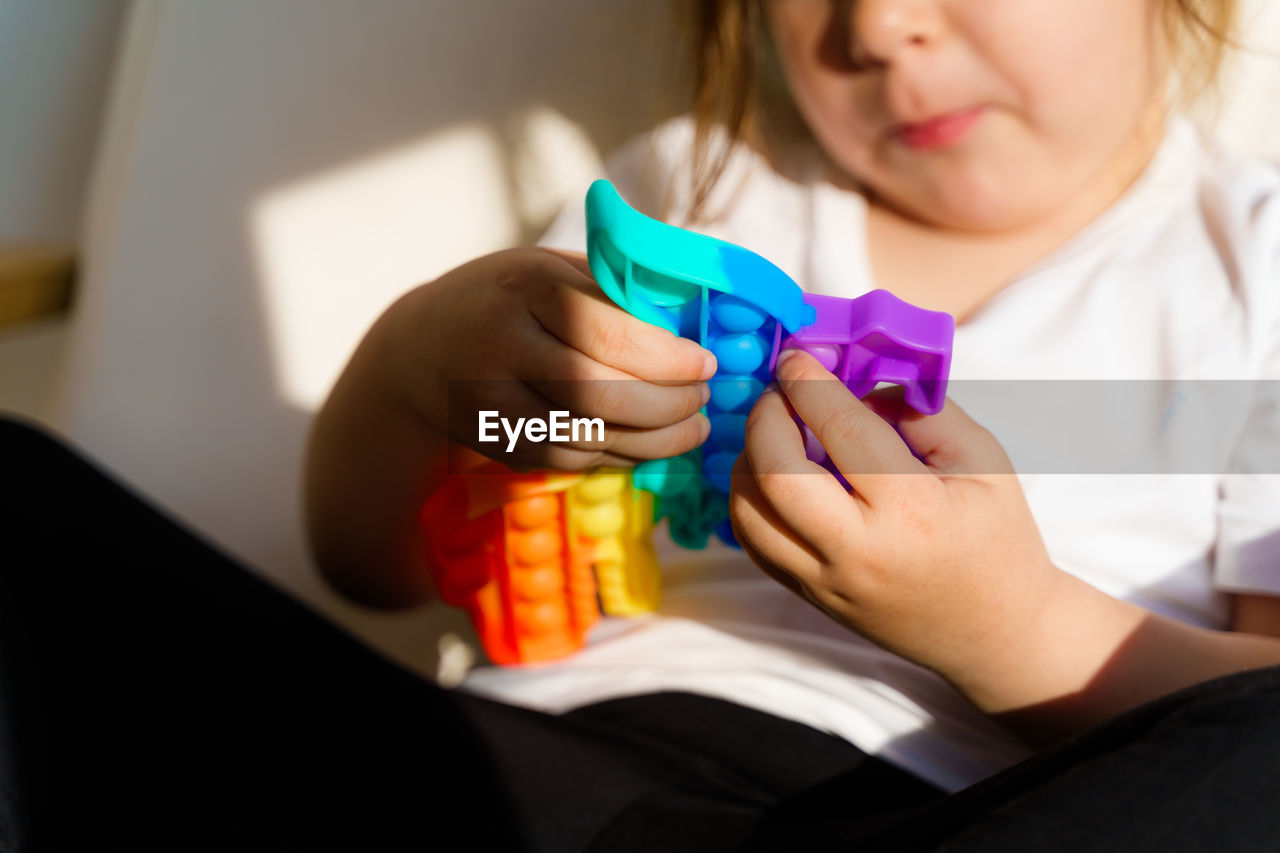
(746, 310)
(535, 558)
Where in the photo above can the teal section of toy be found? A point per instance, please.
(664, 274)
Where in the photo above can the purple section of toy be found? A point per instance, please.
(871, 339)
(879, 338)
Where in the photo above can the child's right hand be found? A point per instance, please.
(526, 331)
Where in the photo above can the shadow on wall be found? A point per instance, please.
(273, 176)
(55, 61)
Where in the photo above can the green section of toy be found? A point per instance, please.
(693, 508)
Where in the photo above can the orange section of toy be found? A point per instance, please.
(525, 555)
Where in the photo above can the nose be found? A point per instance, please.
(882, 30)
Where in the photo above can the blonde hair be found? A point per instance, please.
(1200, 33)
(728, 47)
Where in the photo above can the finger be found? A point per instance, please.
(561, 458)
(530, 458)
(660, 443)
(796, 568)
(764, 536)
(589, 388)
(949, 442)
(802, 493)
(576, 260)
(516, 402)
(609, 444)
(631, 403)
(861, 444)
(582, 317)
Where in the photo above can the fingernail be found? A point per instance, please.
(706, 394)
(708, 365)
(704, 428)
(786, 355)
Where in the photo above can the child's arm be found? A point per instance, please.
(940, 561)
(371, 462)
(1094, 657)
(506, 330)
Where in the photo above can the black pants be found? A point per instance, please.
(155, 695)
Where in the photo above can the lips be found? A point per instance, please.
(937, 132)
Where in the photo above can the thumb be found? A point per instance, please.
(949, 442)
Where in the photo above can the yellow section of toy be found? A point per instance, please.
(534, 558)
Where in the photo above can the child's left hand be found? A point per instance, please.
(933, 555)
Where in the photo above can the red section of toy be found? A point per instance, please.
(499, 545)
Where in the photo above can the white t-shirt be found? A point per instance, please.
(1178, 280)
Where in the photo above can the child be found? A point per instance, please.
(1021, 166)
(1014, 164)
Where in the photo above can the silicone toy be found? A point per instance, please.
(738, 305)
(535, 558)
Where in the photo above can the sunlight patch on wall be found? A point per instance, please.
(335, 249)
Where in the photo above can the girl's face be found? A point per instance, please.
(977, 114)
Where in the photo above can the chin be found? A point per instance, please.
(969, 207)
(976, 216)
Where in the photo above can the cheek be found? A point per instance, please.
(844, 115)
(838, 110)
(1070, 90)
(841, 119)
(1083, 72)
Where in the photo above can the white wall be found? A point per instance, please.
(55, 64)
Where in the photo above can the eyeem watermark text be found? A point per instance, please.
(559, 427)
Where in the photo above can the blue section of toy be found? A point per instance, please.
(728, 299)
